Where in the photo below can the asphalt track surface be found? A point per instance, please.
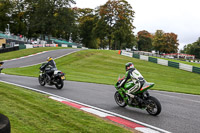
(180, 112)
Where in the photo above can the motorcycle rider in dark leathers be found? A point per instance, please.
(50, 67)
(132, 74)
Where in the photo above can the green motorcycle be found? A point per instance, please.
(142, 101)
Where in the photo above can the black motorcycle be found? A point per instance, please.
(1, 68)
(56, 78)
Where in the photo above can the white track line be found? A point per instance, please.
(99, 109)
(25, 56)
(45, 61)
(176, 97)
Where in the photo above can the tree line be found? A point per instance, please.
(193, 49)
(109, 25)
(159, 41)
(35, 18)
(95, 28)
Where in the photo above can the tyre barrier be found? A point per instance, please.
(4, 124)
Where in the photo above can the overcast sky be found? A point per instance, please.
(181, 17)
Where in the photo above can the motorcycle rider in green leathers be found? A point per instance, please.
(132, 74)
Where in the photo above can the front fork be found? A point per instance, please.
(122, 92)
(44, 76)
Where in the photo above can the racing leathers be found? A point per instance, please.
(135, 76)
(50, 67)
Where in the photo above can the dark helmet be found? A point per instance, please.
(129, 65)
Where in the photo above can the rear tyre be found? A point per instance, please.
(119, 100)
(153, 107)
(59, 84)
(41, 80)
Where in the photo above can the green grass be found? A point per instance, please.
(99, 66)
(179, 61)
(31, 112)
(24, 52)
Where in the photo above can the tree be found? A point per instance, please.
(19, 18)
(65, 23)
(165, 42)
(100, 31)
(158, 40)
(5, 7)
(144, 41)
(118, 15)
(87, 20)
(196, 49)
(170, 43)
(45, 17)
(130, 41)
(193, 49)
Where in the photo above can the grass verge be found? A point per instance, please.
(31, 112)
(99, 66)
(25, 52)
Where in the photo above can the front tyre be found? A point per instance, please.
(41, 80)
(119, 99)
(153, 106)
(59, 84)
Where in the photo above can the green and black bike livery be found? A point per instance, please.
(143, 101)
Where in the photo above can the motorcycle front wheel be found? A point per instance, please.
(59, 84)
(153, 106)
(119, 99)
(41, 80)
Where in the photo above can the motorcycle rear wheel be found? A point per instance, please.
(153, 107)
(119, 99)
(41, 80)
(59, 84)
